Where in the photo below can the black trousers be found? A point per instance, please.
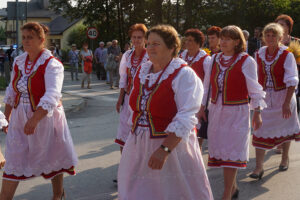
(100, 71)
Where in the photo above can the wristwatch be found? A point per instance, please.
(166, 149)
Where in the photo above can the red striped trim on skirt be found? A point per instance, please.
(120, 142)
(270, 143)
(213, 162)
(70, 171)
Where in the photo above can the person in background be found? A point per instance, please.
(58, 52)
(255, 42)
(213, 35)
(8, 53)
(127, 46)
(100, 57)
(17, 52)
(73, 60)
(287, 24)
(198, 60)
(86, 63)
(114, 50)
(246, 35)
(108, 44)
(3, 58)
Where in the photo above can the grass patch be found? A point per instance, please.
(68, 68)
(2, 83)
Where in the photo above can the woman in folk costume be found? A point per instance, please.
(232, 81)
(130, 62)
(277, 71)
(213, 36)
(196, 58)
(38, 141)
(161, 157)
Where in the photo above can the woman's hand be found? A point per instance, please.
(30, 126)
(2, 160)
(158, 159)
(286, 111)
(118, 106)
(201, 114)
(256, 120)
(5, 129)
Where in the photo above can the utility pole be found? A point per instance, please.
(17, 26)
(177, 15)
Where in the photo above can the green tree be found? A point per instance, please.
(77, 36)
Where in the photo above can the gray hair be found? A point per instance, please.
(246, 33)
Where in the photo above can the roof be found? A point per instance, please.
(60, 24)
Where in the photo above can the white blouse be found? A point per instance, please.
(188, 91)
(54, 75)
(290, 67)
(249, 70)
(126, 63)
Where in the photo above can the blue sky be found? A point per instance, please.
(3, 3)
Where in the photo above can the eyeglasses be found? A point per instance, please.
(153, 45)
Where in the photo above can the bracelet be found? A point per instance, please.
(166, 149)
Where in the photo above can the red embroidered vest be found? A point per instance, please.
(35, 85)
(277, 71)
(161, 106)
(235, 90)
(198, 67)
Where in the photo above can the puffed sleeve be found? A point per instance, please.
(54, 77)
(10, 94)
(206, 83)
(123, 71)
(188, 91)
(290, 71)
(255, 90)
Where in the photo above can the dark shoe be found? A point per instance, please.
(257, 176)
(236, 194)
(283, 168)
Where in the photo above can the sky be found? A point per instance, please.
(3, 3)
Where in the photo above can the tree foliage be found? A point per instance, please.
(114, 17)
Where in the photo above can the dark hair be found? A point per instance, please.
(196, 34)
(235, 33)
(169, 36)
(288, 20)
(137, 27)
(40, 29)
(214, 30)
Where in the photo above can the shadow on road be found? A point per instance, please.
(249, 188)
(86, 185)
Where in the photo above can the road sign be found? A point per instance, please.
(11, 10)
(92, 33)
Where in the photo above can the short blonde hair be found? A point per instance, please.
(274, 28)
(169, 35)
(235, 33)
